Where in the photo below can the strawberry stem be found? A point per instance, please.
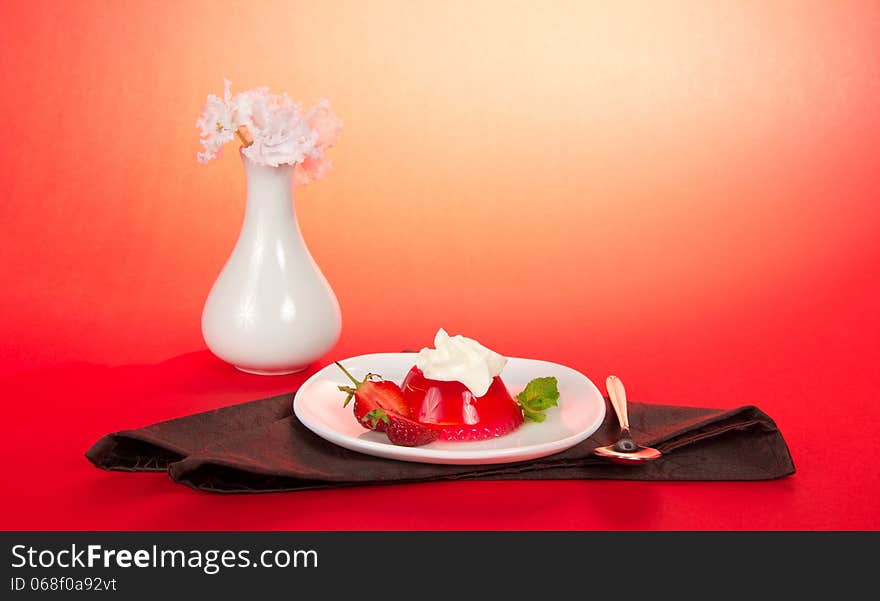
(345, 371)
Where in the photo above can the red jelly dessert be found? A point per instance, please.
(455, 412)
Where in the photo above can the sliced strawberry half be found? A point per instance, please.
(371, 394)
(403, 431)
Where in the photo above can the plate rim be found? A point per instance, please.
(447, 456)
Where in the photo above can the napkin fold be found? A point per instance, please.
(260, 446)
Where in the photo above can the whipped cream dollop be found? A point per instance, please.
(460, 359)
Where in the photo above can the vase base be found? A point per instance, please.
(269, 372)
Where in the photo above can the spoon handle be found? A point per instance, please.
(618, 399)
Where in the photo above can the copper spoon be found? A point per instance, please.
(625, 450)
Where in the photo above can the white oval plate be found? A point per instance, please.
(318, 405)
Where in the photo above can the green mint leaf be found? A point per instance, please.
(539, 394)
(374, 417)
(535, 416)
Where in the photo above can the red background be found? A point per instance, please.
(684, 195)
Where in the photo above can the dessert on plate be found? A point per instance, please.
(453, 392)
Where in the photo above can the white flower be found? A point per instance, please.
(216, 124)
(242, 105)
(328, 126)
(324, 121)
(280, 134)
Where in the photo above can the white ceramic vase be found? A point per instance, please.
(271, 311)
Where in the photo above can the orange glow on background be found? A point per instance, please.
(630, 167)
(686, 194)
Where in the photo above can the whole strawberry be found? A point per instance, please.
(371, 394)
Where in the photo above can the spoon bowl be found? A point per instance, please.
(625, 450)
(640, 455)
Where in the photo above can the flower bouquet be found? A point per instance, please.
(273, 129)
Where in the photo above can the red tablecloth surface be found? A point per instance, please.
(54, 413)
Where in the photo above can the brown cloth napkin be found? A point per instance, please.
(260, 446)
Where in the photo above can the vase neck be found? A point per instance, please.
(269, 191)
